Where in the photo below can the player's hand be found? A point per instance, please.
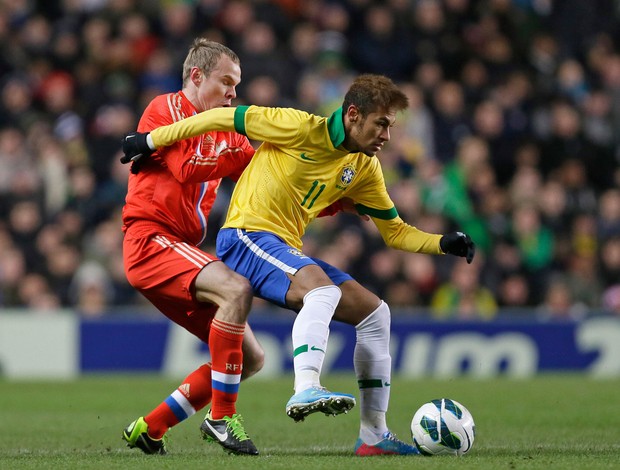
(349, 206)
(135, 149)
(458, 244)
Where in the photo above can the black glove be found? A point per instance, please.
(135, 149)
(458, 244)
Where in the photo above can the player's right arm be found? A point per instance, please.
(276, 125)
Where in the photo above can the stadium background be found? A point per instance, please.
(512, 135)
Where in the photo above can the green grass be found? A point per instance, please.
(563, 422)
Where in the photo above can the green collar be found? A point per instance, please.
(335, 128)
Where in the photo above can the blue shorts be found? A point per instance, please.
(265, 260)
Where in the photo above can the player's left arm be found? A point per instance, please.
(216, 119)
(374, 200)
(396, 233)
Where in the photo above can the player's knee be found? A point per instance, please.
(353, 313)
(377, 323)
(237, 289)
(253, 362)
(243, 289)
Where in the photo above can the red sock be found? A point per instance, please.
(225, 340)
(191, 396)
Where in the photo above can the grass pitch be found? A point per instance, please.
(549, 422)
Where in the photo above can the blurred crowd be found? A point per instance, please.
(512, 135)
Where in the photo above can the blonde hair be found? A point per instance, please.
(205, 54)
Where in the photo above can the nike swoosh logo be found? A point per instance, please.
(314, 348)
(221, 436)
(305, 157)
(129, 429)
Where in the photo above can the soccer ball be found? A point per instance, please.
(443, 427)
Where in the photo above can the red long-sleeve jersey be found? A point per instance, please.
(176, 186)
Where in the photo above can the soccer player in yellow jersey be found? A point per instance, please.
(305, 164)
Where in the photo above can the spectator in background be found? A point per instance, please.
(177, 20)
(581, 278)
(25, 222)
(609, 261)
(421, 279)
(451, 193)
(19, 178)
(35, 293)
(107, 127)
(571, 81)
(611, 300)
(565, 140)
(12, 271)
(304, 47)
(382, 46)
(535, 244)
(608, 215)
(553, 205)
(474, 78)
(261, 55)
(264, 91)
(383, 270)
(463, 297)
(450, 122)
(414, 135)
(558, 303)
(489, 125)
(428, 75)
(17, 102)
(90, 290)
(514, 293)
(580, 194)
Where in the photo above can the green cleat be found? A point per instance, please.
(229, 433)
(136, 435)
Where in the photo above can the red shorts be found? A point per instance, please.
(163, 268)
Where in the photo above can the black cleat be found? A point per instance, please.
(229, 433)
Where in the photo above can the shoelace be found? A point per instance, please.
(236, 426)
(391, 437)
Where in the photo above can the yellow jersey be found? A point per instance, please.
(300, 169)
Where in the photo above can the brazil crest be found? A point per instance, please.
(346, 176)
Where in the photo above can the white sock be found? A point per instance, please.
(373, 366)
(310, 334)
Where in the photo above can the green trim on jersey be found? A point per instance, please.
(386, 214)
(239, 119)
(335, 128)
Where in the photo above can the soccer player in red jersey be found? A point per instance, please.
(165, 220)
